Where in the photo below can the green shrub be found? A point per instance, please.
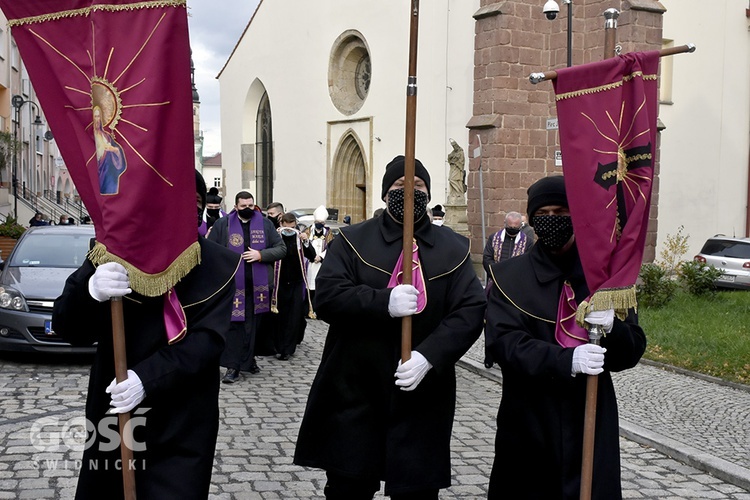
(698, 278)
(11, 228)
(656, 288)
(675, 247)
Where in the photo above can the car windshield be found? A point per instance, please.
(51, 250)
(727, 248)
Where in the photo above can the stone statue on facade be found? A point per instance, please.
(456, 216)
(456, 175)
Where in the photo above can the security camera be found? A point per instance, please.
(551, 9)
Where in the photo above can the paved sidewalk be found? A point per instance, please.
(260, 416)
(699, 420)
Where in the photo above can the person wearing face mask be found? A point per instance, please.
(274, 211)
(437, 215)
(369, 417)
(213, 211)
(290, 301)
(249, 234)
(320, 237)
(544, 356)
(507, 243)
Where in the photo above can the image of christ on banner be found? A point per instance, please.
(113, 79)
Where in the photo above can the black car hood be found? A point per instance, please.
(37, 282)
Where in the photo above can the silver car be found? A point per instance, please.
(731, 256)
(32, 278)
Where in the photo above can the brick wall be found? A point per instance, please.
(512, 40)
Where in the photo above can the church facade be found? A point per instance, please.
(313, 104)
(313, 99)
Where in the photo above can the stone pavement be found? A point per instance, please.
(260, 416)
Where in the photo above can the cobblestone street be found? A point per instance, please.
(261, 413)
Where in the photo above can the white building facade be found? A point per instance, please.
(313, 99)
(306, 120)
(705, 147)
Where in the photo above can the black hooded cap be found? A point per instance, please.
(395, 170)
(546, 191)
(213, 196)
(200, 187)
(437, 211)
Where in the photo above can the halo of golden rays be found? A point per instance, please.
(628, 179)
(106, 96)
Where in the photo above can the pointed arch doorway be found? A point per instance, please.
(349, 174)
(264, 152)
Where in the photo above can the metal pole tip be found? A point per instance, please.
(536, 78)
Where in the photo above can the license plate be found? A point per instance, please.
(727, 277)
(48, 327)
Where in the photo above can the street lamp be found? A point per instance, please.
(18, 101)
(550, 10)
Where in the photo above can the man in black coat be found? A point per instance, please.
(254, 237)
(370, 418)
(172, 389)
(538, 446)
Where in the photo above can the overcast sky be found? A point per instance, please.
(215, 28)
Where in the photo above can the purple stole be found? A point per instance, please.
(261, 290)
(497, 244)
(567, 331)
(417, 281)
(203, 228)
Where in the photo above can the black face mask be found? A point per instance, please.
(553, 231)
(275, 221)
(512, 231)
(319, 226)
(246, 213)
(213, 212)
(396, 204)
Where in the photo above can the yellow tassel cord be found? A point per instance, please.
(619, 299)
(311, 313)
(151, 285)
(85, 11)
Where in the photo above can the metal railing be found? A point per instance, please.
(49, 204)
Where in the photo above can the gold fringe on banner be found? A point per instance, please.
(54, 16)
(151, 285)
(603, 88)
(619, 299)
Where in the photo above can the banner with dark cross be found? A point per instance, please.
(607, 114)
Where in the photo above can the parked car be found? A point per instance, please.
(32, 277)
(731, 256)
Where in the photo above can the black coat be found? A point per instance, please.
(358, 423)
(181, 410)
(540, 421)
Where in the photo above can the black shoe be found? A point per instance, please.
(488, 364)
(231, 376)
(254, 369)
(282, 357)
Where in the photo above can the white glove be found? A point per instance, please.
(411, 373)
(604, 318)
(403, 301)
(588, 359)
(127, 394)
(109, 280)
